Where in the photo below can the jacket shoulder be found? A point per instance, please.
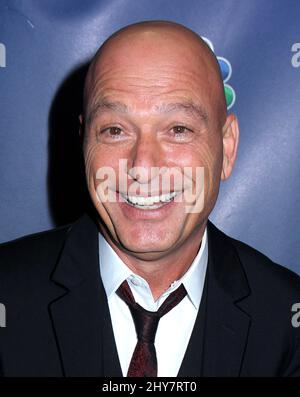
(262, 272)
(32, 253)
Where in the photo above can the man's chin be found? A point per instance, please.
(145, 245)
(150, 253)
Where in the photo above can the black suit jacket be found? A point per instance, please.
(58, 321)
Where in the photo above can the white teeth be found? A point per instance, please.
(148, 207)
(150, 202)
(143, 200)
(167, 197)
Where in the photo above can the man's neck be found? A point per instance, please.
(160, 272)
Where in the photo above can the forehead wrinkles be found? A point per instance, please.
(146, 85)
(147, 107)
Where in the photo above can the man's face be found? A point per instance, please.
(152, 104)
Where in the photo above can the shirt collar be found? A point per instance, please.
(114, 271)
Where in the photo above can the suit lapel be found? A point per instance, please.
(226, 325)
(219, 337)
(192, 363)
(80, 314)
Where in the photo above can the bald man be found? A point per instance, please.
(144, 284)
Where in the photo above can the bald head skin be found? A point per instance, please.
(154, 103)
(158, 43)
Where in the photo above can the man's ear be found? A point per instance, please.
(230, 133)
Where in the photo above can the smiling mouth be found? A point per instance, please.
(150, 202)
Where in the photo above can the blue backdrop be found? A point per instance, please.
(44, 48)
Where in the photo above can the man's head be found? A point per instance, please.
(154, 98)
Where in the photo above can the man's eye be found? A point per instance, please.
(113, 131)
(180, 129)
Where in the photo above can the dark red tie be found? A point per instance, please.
(143, 362)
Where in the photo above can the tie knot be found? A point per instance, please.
(146, 322)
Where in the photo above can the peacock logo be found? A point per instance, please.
(226, 71)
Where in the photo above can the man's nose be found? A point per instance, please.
(145, 158)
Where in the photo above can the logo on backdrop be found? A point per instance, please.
(2, 56)
(295, 60)
(226, 71)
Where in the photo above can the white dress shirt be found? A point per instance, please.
(174, 328)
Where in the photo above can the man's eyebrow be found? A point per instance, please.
(103, 106)
(189, 107)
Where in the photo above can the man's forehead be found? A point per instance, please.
(152, 82)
